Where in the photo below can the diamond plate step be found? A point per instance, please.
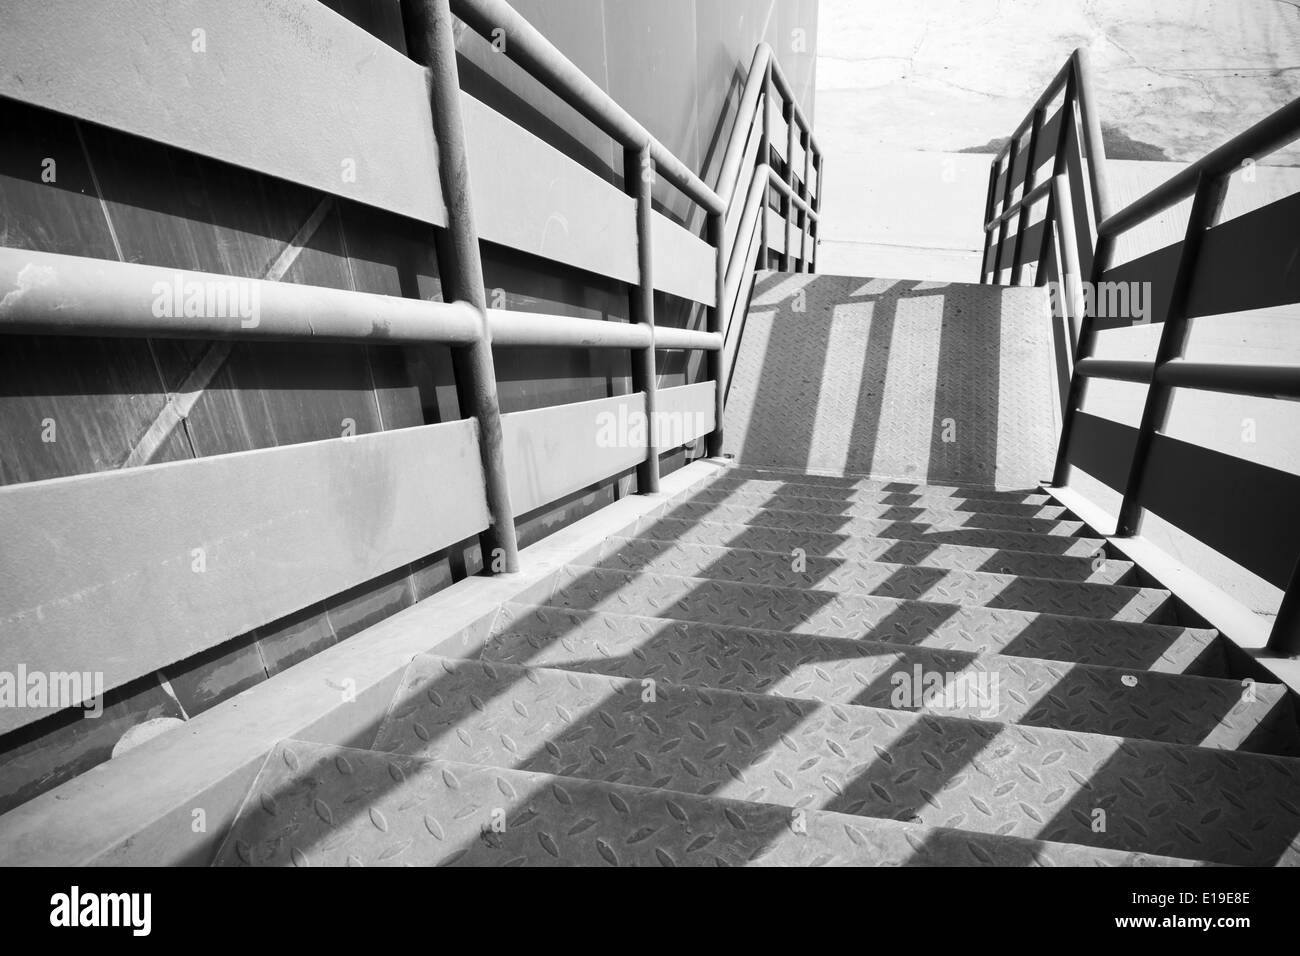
(1174, 708)
(838, 483)
(837, 500)
(904, 582)
(314, 805)
(936, 532)
(749, 506)
(841, 547)
(982, 777)
(890, 621)
(869, 373)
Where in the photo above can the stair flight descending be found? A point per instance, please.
(676, 703)
(797, 665)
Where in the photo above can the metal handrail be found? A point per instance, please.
(56, 294)
(536, 54)
(764, 61)
(70, 295)
(1206, 182)
(1267, 136)
(1074, 78)
(1031, 197)
(643, 153)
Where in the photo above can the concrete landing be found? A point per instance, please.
(895, 378)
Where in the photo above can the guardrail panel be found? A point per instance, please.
(529, 196)
(1249, 262)
(684, 264)
(181, 557)
(686, 412)
(552, 452)
(289, 89)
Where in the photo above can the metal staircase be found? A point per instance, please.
(870, 621)
(957, 686)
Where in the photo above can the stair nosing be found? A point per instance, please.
(1164, 628)
(857, 562)
(802, 636)
(648, 534)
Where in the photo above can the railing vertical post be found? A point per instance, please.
(805, 140)
(716, 323)
(1071, 287)
(1007, 191)
(638, 180)
(764, 159)
(1206, 203)
(1022, 221)
(989, 203)
(1060, 166)
(1045, 247)
(787, 203)
(1087, 319)
(1285, 636)
(815, 228)
(1093, 147)
(432, 43)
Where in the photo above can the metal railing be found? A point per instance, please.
(105, 298)
(1206, 181)
(799, 206)
(1077, 147)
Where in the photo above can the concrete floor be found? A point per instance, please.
(912, 99)
(1174, 78)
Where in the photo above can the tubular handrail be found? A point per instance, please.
(65, 295)
(1206, 181)
(536, 54)
(1028, 199)
(56, 294)
(69, 295)
(764, 61)
(1267, 136)
(1075, 79)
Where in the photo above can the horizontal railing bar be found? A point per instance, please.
(44, 293)
(1114, 369)
(787, 93)
(563, 331)
(1236, 377)
(790, 193)
(1034, 195)
(1239, 378)
(747, 112)
(536, 54)
(671, 339)
(1054, 87)
(1268, 135)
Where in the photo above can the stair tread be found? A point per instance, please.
(314, 804)
(906, 582)
(931, 532)
(981, 629)
(1041, 507)
(831, 520)
(936, 770)
(841, 546)
(866, 482)
(1175, 708)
